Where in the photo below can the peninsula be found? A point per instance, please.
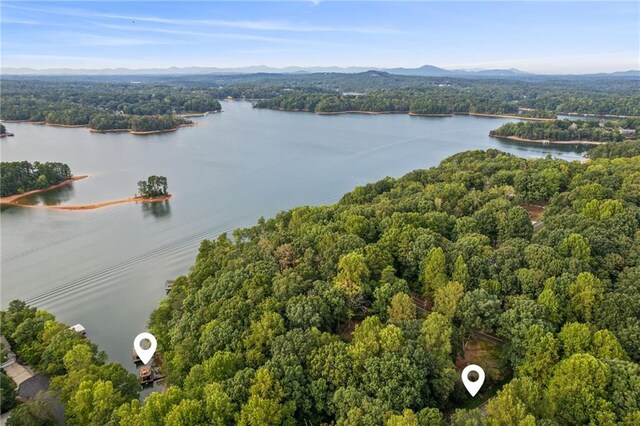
(103, 107)
(13, 199)
(584, 132)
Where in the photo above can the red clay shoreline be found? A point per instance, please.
(93, 206)
(357, 112)
(150, 132)
(414, 114)
(12, 200)
(548, 142)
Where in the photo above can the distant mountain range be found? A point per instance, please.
(431, 71)
(425, 70)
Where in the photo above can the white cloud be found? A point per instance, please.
(6, 21)
(138, 29)
(239, 24)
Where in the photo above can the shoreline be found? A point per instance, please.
(81, 126)
(417, 114)
(109, 130)
(547, 142)
(142, 132)
(198, 114)
(357, 112)
(413, 114)
(583, 114)
(477, 114)
(136, 199)
(69, 126)
(11, 199)
(154, 132)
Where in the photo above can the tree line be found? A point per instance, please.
(75, 102)
(568, 130)
(382, 92)
(105, 105)
(435, 100)
(22, 176)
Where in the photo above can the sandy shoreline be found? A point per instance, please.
(147, 132)
(518, 117)
(547, 142)
(83, 126)
(153, 132)
(198, 114)
(11, 199)
(110, 131)
(417, 114)
(413, 114)
(69, 126)
(581, 114)
(358, 112)
(107, 203)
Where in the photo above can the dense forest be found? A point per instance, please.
(569, 130)
(313, 315)
(615, 150)
(104, 106)
(582, 94)
(364, 312)
(446, 102)
(382, 92)
(107, 101)
(449, 99)
(21, 176)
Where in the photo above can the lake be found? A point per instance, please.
(106, 268)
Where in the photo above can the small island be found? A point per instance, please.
(154, 187)
(101, 107)
(137, 125)
(3, 131)
(587, 132)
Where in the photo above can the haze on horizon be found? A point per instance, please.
(539, 37)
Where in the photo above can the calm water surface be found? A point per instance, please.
(106, 268)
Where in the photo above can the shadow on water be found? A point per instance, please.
(157, 210)
(50, 198)
(557, 149)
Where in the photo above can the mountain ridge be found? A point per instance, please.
(424, 70)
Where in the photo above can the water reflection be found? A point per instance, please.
(50, 198)
(532, 148)
(158, 210)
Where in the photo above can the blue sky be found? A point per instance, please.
(543, 37)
